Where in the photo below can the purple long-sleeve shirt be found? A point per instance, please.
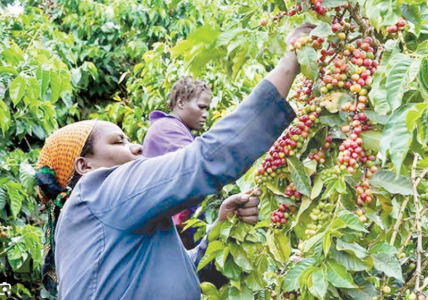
(166, 134)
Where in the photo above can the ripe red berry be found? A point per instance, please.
(368, 40)
(392, 29)
(335, 27)
(401, 23)
(263, 23)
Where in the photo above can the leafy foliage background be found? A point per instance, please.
(67, 60)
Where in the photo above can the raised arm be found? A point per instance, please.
(140, 192)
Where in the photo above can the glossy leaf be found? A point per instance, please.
(17, 89)
(390, 182)
(338, 276)
(307, 58)
(396, 138)
(291, 280)
(299, 176)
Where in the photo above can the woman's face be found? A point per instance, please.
(194, 112)
(110, 147)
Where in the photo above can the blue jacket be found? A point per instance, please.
(115, 238)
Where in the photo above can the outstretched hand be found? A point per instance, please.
(298, 32)
(244, 205)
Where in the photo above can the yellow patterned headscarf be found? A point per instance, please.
(54, 170)
(61, 150)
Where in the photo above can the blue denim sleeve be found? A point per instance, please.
(141, 192)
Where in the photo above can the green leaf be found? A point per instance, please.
(306, 202)
(232, 270)
(27, 176)
(333, 3)
(17, 89)
(377, 94)
(317, 188)
(319, 284)
(15, 197)
(240, 257)
(423, 75)
(299, 176)
(5, 118)
(291, 279)
(222, 257)
(351, 262)
(338, 276)
(413, 14)
(372, 116)
(283, 243)
(215, 232)
(214, 249)
(423, 127)
(351, 221)
(396, 138)
(326, 244)
(55, 84)
(43, 75)
(8, 70)
(243, 294)
(392, 183)
(371, 139)
(307, 57)
(313, 240)
(388, 264)
(3, 196)
(209, 289)
(402, 72)
(33, 91)
(365, 292)
(322, 30)
(383, 247)
(359, 251)
(226, 227)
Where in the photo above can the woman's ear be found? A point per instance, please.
(180, 103)
(82, 166)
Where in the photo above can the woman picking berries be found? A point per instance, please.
(110, 208)
(189, 101)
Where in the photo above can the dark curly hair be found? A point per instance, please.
(186, 88)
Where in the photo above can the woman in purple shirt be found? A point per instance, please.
(189, 101)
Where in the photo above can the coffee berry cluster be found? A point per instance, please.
(319, 155)
(361, 213)
(401, 24)
(291, 192)
(351, 70)
(3, 230)
(281, 215)
(315, 42)
(364, 192)
(318, 215)
(286, 145)
(303, 90)
(286, 295)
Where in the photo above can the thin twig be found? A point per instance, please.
(412, 229)
(401, 37)
(399, 219)
(419, 249)
(367, 28)
(412, 280)
(421, 176)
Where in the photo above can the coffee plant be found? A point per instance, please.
(344, 207)
(342, 216)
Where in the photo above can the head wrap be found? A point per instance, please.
(54, 170)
